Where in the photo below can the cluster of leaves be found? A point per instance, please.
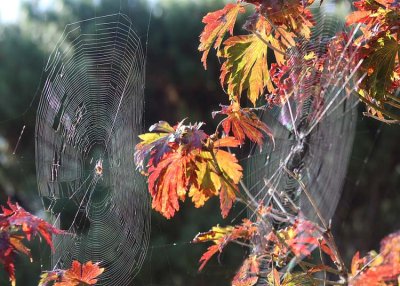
(17, 225)
(297, 242)
(78, 275)
(274, 26)
(381, 268)
(183, 160)
(279, 247)
(380, 50)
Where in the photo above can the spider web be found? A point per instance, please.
(88, 119)
(303, 173)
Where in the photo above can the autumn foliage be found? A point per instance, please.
(266, 66)
(183, 160)
(16, 226)
(380, 50)
(78, 275)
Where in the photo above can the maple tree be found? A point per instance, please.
(183, 160)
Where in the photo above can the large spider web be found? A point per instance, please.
(88, 119)
(303, 173)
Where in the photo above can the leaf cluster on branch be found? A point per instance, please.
(16, 226)
(183, 160)
(78, 275)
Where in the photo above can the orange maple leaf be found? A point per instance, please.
(244, 123)
(221, 236)
(217, 24)
(168, 181)
(85, 274)
(378, 269)
(248, 272)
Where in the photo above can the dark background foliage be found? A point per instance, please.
(176, 87)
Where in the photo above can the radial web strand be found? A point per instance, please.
(88, 119)
(302, 175)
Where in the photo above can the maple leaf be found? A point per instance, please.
(244, 123)
(15, 220)
(218, 23)
(380, 50)
(248, 272)
(78, 274)
(30, 224)
(211, 250)
(245, 67)
(81, 273)
(168, 182)
(185, 159)
(221, 236)
(382, 269)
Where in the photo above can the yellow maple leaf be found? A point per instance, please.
(245, 67)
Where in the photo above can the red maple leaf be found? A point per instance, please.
(79, 274)
(168, 181)
(13, 221)
(31, 225)
(378, 269)
(244, 123)
(217, 24)
(248, 272)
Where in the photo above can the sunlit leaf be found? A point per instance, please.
(378, 269)
(218, 23)
(78, 275)
(248, 272)
(245, 67)
(243, 123)
(16, 224)
(168, 182)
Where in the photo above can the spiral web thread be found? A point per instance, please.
(302, 175)
(88, 119)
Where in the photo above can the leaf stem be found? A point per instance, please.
(259, 36)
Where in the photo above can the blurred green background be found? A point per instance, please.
(176, 87)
